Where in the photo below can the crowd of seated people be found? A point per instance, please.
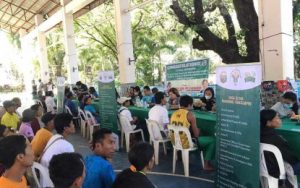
(42, 137)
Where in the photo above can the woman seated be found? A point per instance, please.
(35, 123)
(25, 128)
(207, 102)
(269, 121)
(174, 97)
(93, 92)
(288, 106)
(89, 107)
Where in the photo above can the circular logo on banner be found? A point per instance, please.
(106, 76)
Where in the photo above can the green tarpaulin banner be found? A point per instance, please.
(238, 125)
(188, 77)
(107, 101)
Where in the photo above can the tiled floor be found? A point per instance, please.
(161, 174)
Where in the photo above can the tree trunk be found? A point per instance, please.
(227, 49)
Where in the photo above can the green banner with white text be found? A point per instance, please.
(188, 77)
(107, 101)
(238, 125)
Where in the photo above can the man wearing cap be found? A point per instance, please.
(44, 134)
(125, 102)
(10, 119)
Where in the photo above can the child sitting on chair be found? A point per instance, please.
(89, 107)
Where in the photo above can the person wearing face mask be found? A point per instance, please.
(207, 102)
(288, 106)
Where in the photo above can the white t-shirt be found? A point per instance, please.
(50, 104)
(279, 108)
(159, 114)
(125, 112)
(58, 147)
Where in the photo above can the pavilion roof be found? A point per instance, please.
(20, 14)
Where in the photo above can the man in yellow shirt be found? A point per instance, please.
(184, 117)
(10, 119)
(43, 135)
(16, 156)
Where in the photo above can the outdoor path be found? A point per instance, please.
(161, 174)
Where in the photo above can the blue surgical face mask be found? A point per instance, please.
(287, 106)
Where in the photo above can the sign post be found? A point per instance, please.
(107, 101)
(60, 94)
(238, 125)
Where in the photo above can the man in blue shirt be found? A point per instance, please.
(99, 171)
(147, 95)
(69, 103)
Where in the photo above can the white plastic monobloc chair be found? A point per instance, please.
(128, 129)
(37, 101)
(268, 181)
(156, 138)
(91, 123)
(177, 146)
(44, 180)
(76, 118)
(83, 123)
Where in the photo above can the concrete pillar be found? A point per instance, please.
(70, 47)
(276, 38)
(42, 50)
(124, 44)
(26, 60)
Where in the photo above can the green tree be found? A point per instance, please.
(196, 15)
(56, 53)
(296, 17)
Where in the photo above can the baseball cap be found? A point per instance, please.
(47, 117)
(121, 100)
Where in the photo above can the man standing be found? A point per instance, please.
(57, 144)
(40, 86)
(16, 156)
(50, 85)
(99, 171)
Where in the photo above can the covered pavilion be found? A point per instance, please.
(33, 19)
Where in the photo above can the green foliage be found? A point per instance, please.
(155, 35)
(14, 39)
(56, 53)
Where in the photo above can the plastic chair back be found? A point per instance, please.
(82, 115)
(154, 130)
(263, 167)
(44, 180)
(125, 124)
(68, 110)
(90, 118)
(176, 140)
(37, 101)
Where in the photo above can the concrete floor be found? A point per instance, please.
(161, 174)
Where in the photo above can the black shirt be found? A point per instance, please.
(209, 104)
(270, 136)
(129, 179)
